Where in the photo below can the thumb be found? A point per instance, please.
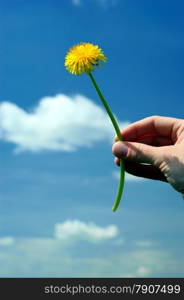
(138, 152)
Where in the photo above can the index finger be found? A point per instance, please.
(151, 126)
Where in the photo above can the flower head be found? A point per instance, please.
(83, 57)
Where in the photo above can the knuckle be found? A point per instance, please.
(155, 117)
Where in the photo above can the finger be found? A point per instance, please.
(152, 126)
(153, 140)
(140, 153)
(140, 170)
(117, 161)
(145, 171)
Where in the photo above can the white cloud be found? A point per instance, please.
(73, 230)
(6, 241)
(59, 123)
(56, 258)
(128, 177)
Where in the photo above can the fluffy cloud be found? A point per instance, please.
(59, 123)
(73, 230)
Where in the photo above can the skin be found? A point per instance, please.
(154, 148)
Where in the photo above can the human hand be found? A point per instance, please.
(154, 148)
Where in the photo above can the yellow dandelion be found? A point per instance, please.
(80, 59)
(83, 57)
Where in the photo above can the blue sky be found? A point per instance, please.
(58, 180)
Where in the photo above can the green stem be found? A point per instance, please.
(114, 122)
(121, 185)
(118, 132)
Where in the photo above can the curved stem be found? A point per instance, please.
(118, 132)
(120, 187)
(114, 122)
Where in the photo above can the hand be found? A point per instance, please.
(154, 148)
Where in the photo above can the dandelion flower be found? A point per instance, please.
(80, 59)
(83, 57)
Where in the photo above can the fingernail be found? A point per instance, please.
(120, 149)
